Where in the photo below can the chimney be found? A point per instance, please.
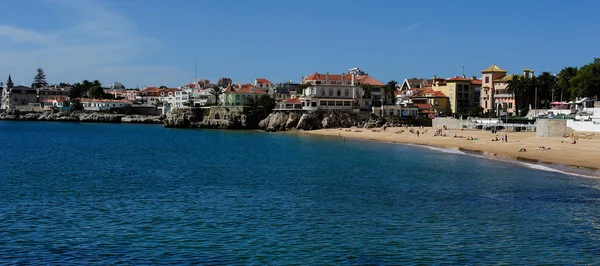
(434, 77)
(463, 76)
(352, 81)
(473, 77)
(327, 78)
(342, 78)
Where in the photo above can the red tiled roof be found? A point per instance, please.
(102, 101)
(430, 93)
(59, 99)
(153, 89)
(262, 80)
(229, 89)
(423, 106)
(476, 82)
(250, 89)
(317, 76)
(294, 100)
(366, 79)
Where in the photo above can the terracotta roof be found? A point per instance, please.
(228, 89)
(249, 89)
(366, 79)
(102, 101)
(430, 93)
(294, 100)
(476, 82)
(458, 78)
(493, 69)
(262, 80)
(423, 106)
(60, 100)
(151, 89)
(317, 76)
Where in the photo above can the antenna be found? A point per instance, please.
(463, 68)
(196, 70)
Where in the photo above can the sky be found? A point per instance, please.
(157, 42)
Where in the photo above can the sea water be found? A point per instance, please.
(74, 193)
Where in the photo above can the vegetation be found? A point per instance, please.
(76, 105)
(367, 90)
(216, 92)
(301, 87)
(82, 90)
(39, 80)
(389, 89)
(476, 111)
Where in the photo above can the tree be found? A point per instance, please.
(587, 80)
(250, 102)
(96, 92)
(163, 87)
(366, 90)
(301, 87)
(389, 89)
(39, 80)
(267, 102)
(546, 84)
(476, 111)
(517, 86)
(564, 81)
(216, 92)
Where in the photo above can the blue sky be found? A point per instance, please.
(156, 42)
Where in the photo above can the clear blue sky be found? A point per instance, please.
(156, 42)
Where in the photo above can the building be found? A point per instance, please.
(337, 92)
(284, 90)
(231, 97)
(56, 103)
(290, 104)
(15, 96)
(117, 86)
(148, 96)
(415, 83)
(431, 100)
(396, 110)
(461, 92)
(495, 96)
(223, 82)
(102, 104)
(262, 84)
(45, 93)
(175, 98)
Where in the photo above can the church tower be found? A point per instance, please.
(9, 83)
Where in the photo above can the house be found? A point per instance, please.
(290, 104)
(56, 103)
(495, 96)
(148, 96)
(176, 98)
(284, 90)
(396, 110)
(262, 84)
(15, 96)
(45, 93)
(461, 92)
(231, 97)
(102, 104)
(435, 101)
(415, 83)
(337, 92)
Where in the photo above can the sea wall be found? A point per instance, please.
(546, 128)
(449, 122)
(587, 126)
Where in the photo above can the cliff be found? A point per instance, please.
(217, 117)
(290, 120)
(77, 116)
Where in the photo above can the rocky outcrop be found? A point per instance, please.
(77, 116)
(289, 120)
(183, 118)
(225, 118)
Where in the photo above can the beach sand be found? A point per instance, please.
(585, 153)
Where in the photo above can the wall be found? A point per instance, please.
(588, 126)
(449, 122)
(145, 110)
(552, 128)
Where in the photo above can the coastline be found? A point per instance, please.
(581, 159)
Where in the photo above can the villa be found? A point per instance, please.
(463, 93)
(102, 104)
(58, 103)
(232, 97)
(494, 93)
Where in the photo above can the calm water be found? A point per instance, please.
(104, 193)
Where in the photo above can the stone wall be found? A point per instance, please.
(449, 122)
(552, 128)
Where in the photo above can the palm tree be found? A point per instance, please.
(389, 89)
(366, 90)
(564, 81)
(517, 86)
(546, 83)
(216, 91)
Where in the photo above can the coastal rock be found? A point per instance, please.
(182, 118)
(289, 120)
(141, 119)
(309, 122)
(99, 117)
(224, 118)
(275, 122)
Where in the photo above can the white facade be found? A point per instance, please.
(175, 98)
(102, 105)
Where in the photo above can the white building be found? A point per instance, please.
(103, 105)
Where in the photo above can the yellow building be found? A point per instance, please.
(438, 100)
(463, 93)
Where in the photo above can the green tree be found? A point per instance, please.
(39, 80)
(389, 89)
(163, 87)
(517, 85)
(250, 102)
(76, 105)
(587, 80)
(366, 90)
(267, 102)
(96, 92)
(564, 81)
(216, 92)
(301, 87)
(546, 84)
(476, 111)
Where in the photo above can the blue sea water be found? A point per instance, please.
(75, 193)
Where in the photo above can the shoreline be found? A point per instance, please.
(582, 159)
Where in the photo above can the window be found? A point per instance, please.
(451, 87)
(312, 90)
(509, 105)
(391, 111)
(346, 103)
(347, 92)
(487, 80)
(322, 92)
(323, 103)
(339, 93)
(330, 92)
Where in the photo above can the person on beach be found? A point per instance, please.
(505, 138)
(418, 133)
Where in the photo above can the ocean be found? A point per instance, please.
(76, 193)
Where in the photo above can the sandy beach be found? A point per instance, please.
(585, 153)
